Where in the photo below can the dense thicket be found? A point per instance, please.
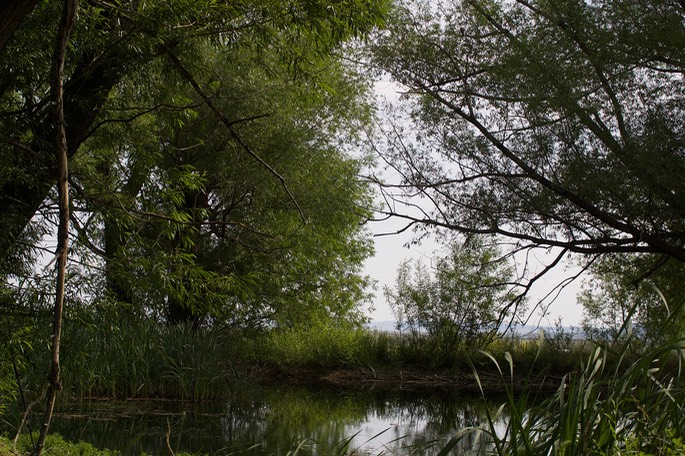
(208, 176)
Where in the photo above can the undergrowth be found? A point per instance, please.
(617, 403)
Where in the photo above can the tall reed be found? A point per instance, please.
(144, 359)
(617, 403)
(324, 345)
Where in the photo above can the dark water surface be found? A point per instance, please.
(274, 421)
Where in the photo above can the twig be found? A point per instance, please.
(168, 437)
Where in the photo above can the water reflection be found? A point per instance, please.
(276, 420)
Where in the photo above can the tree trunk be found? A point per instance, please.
(117, 288)
(66, 25)
(11, 15)
(117, 272)
(178, 310)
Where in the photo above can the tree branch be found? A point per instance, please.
(185, 74)
(56, 82)
(12, 14)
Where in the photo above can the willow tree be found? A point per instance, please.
(112, 41)
(159, 197)
(645, 293)
(252, 214)
(149, 68)
(553, 123)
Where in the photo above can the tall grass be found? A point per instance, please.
(328, 346)
(617, 403)
(324, 346)
(144, 359)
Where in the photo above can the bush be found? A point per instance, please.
(325, 345)
(458, 302)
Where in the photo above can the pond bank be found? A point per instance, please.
(411, 379)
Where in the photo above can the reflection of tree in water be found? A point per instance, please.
(279, 419)
(274, 420)
(430, 420)
(242, 416)
(134, 427)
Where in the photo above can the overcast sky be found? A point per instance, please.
(391, 250)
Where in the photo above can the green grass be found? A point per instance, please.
(618, 403)
(324, 346)
(121, 358)
(55, 445)
(144, 360)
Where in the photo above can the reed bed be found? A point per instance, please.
(617, 403)
(145, 360)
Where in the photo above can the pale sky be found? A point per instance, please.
(391, 251)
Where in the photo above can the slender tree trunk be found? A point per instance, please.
(179, 310)
(57, 77)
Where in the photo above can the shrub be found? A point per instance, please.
(324, 345)
(456, 304)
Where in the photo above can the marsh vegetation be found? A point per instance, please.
(187, 189)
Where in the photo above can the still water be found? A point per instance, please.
(274, 421)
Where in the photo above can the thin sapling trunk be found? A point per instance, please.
(56, 81)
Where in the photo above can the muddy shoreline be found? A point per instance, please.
(412, 379)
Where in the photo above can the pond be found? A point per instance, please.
(275, 420)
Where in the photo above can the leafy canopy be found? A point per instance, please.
(557, 123)
(251, 215)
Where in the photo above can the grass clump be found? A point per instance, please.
(121, 358)
(55, 445)
(325, 346)
(616, 404)
(144, 359)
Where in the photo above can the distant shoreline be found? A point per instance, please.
(524, 331)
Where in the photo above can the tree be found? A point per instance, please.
(459, 303)
(641, 293)
(134, 87)
(191, 226)
(114, 40)
(558, 124)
